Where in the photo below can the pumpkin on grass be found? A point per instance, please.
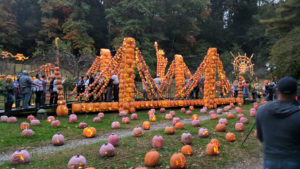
(146, 125)
(107, 150)
(177, 160)
(115, 125)
(203, 133)
(179, 125)
(215, 142)
(221, 127)
(77, 161)
(27, 132)
(151, 158)
(230, 116)
(113, 139)
(89, 132)
(169, 130)
(137, 132)
(196, 123)
(20, 157)
(58, 139)
(157, 141)
(186, 138)
(230, 137)
(212, 149)
(187, 150)
(24, 125)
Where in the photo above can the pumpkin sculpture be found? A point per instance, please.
(221, 127)
(146, 125)
(58, 139)
(179, 125)
(177, 161)
(107, 150)
(186, 138)
(230, 116)
(55, 123)
(212, 149)
(169, 130)
(203, 133)
(134, 116)
(230, 137)
(137, 132)
(115, 125)
(24, 125)
(12, 120)
(151, 158)
(82, 125)
(239, 126)
(196, 123)
(30, 117)
(96, 119)
(77, 161)
(35, 122)
(3, 118)
(27, 132)
(20, 157)
(89, 132)
(157, 141)
(187, 150)
(113, 139)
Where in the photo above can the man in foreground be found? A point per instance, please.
(278, 124)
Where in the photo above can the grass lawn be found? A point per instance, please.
(11, 133)
(132, 150)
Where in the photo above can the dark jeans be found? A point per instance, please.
(8, 104)
(53, 98)
(236, 92)
(18, 99)
(281, 164)
(108, 94)
(38, 98)
(43, 98)
(116, 93)
(26, 99)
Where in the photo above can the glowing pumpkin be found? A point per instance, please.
(89, 132)
(177, 161)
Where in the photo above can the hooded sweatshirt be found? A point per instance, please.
(278, 128)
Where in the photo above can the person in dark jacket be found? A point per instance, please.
(278, 124)
(25, 86)
(9, 96)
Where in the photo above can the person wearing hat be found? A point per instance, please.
(278, 124)
(25, 86)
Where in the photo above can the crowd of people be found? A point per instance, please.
(24, 87)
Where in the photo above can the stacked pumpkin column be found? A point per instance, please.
(127, 86)
(105, 59)
(179, 74)
(240, 99)
(62, 109)
(210, 78)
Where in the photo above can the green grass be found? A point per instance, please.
(11, 133)
(132, 150)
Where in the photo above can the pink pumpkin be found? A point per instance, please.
(186, 138)
(3, 118)
(137, 132)
(219, 111)
(113, 139)
(157, 141)
(162, 110)
(76, 162)
(20, 157)
(96, 119)
(125, 120)
(72, 118)
(58, 139)
(212, 112)
(223, 121)
(101, 115)
(152, 110)
(24, 125)
(55, 123)
(175, 120)
(30, 117)
(203, 132)
(134, 116)
(122, 113)
(168, 116)
(238, 110)
(252, 112)
(27, 132)
(82, 125)
(115, 125)
(239, 126)
(203, 110)
(244, 120)
(50, 119)
(240, 116)
(196, 123)
(107, 150)
(172, 113)
(12, 119)
(231, 105)
(182, 110)
(188, 112)
(255, 105)
(35, 122)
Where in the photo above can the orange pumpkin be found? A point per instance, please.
(146, 125)
(169, 130)
(177, 160)
(151, 158)
(179, 125)
(187, 150)
(230, 137)
(216, 142)
(230, 116)
(89, 132)
(212, 149)
(62, 110)
(221, 127)
(76, 108)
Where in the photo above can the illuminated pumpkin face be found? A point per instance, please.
(20, 157)
(146, 125)
(50, 119)
(212, 149)
(137, 132)
(89, 132)
(169, 130)
(76, 162)
(152, 118)
(177, 160)
(115, 125)
(187, 150)
(195, 117)
(24, 126)
(203, 132)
